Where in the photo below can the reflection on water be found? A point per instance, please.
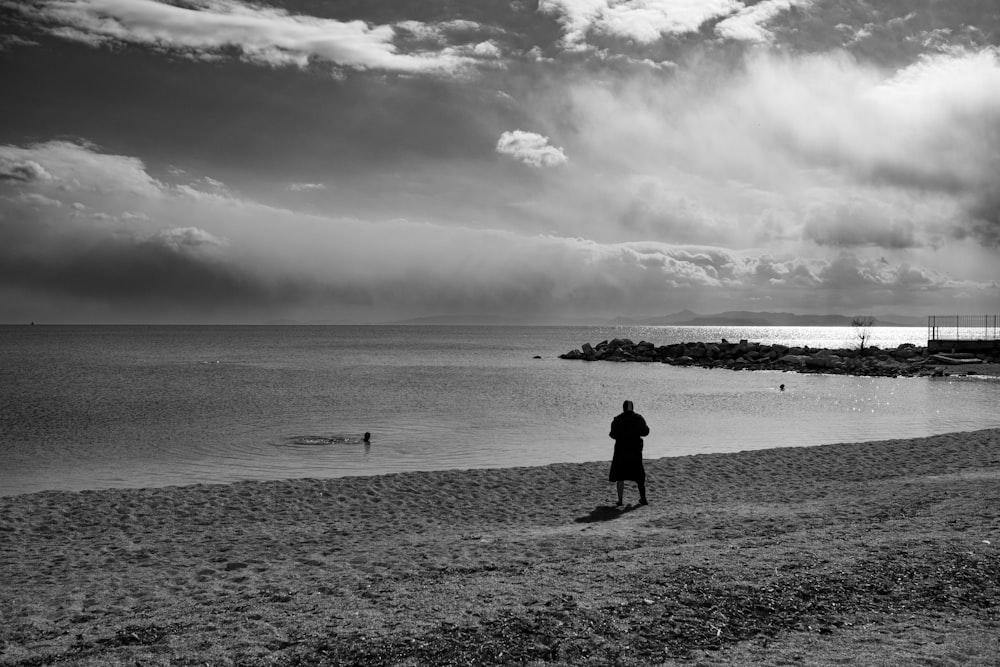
(295, 402)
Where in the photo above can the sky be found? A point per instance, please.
(365, 161)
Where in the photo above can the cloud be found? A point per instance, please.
(487, 49)
(205, 29)
(646, 21)
(34, 199)
(822, 148)
(11, 42)
(849, 224)
(181, 238)
(748, 24)
(530, 148)
(14, 169)
(205, 187)
(985, 214)
(79, 166)
(161, 253)
(643, 21)
(303, 187)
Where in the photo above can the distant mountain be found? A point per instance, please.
(674, 319)
(681, 318)
(902, 320)
(496, 320)
(742, 318)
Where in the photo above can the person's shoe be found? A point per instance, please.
(618, 504)
(643, 501)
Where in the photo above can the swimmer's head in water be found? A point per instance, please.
(368, 436)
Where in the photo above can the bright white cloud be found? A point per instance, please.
(303, 187)
(487, 49)
(81, 167)
(865, 156)
(530, 148)
(268, 36)
(749, 23)
(576, 16)
(644, 21)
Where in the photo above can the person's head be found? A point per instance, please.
(368, 436)
(627, 406)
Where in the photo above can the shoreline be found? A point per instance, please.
(534, 564)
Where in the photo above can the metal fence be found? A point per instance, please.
(963, 327)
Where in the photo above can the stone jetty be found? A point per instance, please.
(905, 360)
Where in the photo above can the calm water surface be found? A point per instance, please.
(97, 407)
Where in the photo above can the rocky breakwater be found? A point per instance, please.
(905, 360)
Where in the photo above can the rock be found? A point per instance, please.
(904, 360)
(796, 359)
(818, 362)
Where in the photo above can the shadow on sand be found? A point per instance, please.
(605, 513)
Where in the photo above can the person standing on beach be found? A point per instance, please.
(628, 429)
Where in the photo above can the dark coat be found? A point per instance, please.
(627, 429)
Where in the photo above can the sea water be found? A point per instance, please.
(132, 406)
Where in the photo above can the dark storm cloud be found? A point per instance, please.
(127, 270)
(985, 218)
(48, 250)
(849, 225)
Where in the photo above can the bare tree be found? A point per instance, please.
(862, 329)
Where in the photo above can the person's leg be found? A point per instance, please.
(642, 493)
(621, 490)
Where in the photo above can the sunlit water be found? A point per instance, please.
(96, 407)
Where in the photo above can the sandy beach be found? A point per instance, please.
(877, 553)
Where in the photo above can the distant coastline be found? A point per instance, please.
(683, 318)
(742, 318)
